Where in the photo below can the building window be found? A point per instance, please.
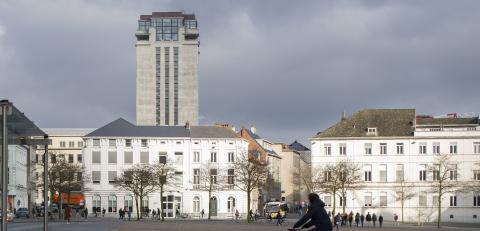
(128, 143)
(371, 131)
(79, 158)
(343, 200)
(128, 202)
(476, 147)
(128, 157)
(231, 176)
(96, 177)
(112, 157)
(383, 199)
(213, 176)
(112, 204)
(367, 169)
(436, 148)
(422, 172)
(383, 173)
(144, 157)
(231, 205)
(368, 149)
(476, 200)
(71, 144)
(327, 200)
(196, 176)
(343, 149)
(144, 143)
(96, 157)
(175, 85)
(162, 157)
(179, 158)
(167, 84)
(179, 178)
(399, 148)
(112, 143)
(96, 142)
(196, 157)
(213, 157)
(112, 177)
(96, 203)
(422, 199)
(453, 148)
(436, 172)
(368, 199)
(453, 172)
(435, 201)
(422, 148)
(158, 84)
(231, 157)
(453, 201)
(166, 28)
(400, 173)
(327, 149)
(70, 158)
(80, 144)
(476, 175)
(63, 144)
(196, 204)
(383, 148)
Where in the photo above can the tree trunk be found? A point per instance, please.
(248, 204)
(60, 206)
(141, 207)
(209, 203)
(439, 219)
(334, 204)
(344, 204)
(161, 203)
(136, 205)
(403, 202)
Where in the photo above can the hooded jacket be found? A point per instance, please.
(317, 216)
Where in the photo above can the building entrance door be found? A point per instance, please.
(167, 206)
(213, 206)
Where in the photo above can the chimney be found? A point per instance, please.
(187, 125)
(344, 115)
(253, 129)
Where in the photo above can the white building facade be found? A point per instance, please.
(394, 144)
(112, 149)
(167, 50)
(18, 185)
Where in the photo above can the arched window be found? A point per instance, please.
(96, 203)
(112, 204)
(128, 203)
(231, 205)
(196, 204)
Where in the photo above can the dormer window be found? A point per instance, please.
(371, 131)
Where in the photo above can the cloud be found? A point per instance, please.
(288, 68)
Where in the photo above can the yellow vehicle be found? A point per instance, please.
(271, 209)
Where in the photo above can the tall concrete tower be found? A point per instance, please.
(167, 69)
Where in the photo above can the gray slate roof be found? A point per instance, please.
(389, 122)
(123, 128)
(298, 146)
(447, 121)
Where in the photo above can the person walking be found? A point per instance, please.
(85, 213)
(350, 218)
(336, 220)
(237, 214)
(279, 217)
(158, 213)
(315, 216)
(202, 213)
(103, 212)
(368, 218)
(395, 218)
(357, 219)
(129, 213)
(153, 214)
(362, 219)
(374, 219)
(68, 214)
(120, 214)
(380, 220)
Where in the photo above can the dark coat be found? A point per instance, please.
(317, 216)
(368, 217)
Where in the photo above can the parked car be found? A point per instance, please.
(22, 212)
(9, 216)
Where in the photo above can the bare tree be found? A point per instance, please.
(339, 178)
(405, 191)
(250, 174)
(211, 178)
(164, 173)
(445, 174)
(140, 181)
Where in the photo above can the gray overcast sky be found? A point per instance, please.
(288, 67)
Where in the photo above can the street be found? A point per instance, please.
(107, 224)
